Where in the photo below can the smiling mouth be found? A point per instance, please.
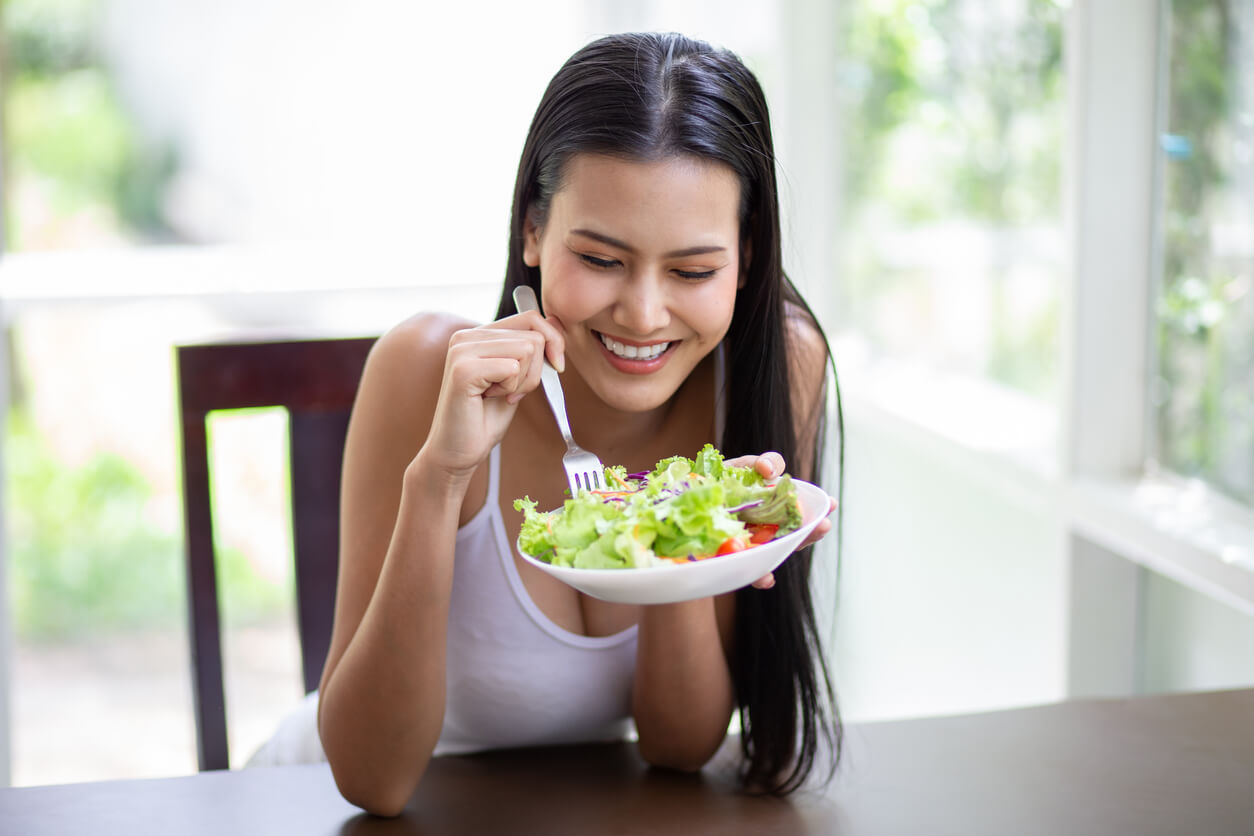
(634, 352)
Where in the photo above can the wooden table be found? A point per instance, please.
(1176, 764)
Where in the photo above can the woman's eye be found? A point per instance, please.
(695, 274)
(602, 263)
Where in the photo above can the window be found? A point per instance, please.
(951, 250)
(1203, 397)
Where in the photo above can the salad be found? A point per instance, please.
(684, 510)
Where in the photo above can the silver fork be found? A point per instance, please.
(584, 471)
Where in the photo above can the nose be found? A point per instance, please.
(643, 306)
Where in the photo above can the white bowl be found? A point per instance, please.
(700, 579)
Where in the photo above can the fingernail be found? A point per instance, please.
(560, 365)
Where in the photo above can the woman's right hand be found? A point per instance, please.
(487, 371)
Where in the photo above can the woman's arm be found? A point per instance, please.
(381, 699)
(682, 696)
(434, 399)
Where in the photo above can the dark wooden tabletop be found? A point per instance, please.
(1174, 764)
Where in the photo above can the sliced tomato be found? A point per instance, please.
(760, 533)
(732, 544)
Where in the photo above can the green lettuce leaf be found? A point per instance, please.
(683, 509)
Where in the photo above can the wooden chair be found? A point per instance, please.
(316, 380)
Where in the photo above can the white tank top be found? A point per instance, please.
(513, 677)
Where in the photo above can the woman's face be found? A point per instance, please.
(639, 263)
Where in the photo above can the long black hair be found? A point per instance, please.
(654, 96)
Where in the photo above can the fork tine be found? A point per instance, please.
(584, 471)
(579, 482)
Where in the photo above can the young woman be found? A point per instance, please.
(645, 217)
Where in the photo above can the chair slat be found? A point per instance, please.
(317, 445)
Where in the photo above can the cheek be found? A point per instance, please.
(567, 292)
(707, 317)
(717, 306)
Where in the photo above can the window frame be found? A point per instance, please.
(1117, 498)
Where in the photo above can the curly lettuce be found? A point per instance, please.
(684, 509)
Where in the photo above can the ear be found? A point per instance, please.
(531, 241)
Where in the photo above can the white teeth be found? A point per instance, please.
(633, 352)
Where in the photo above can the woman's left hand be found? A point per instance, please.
(771, 466)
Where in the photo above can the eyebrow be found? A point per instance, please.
(623, 245)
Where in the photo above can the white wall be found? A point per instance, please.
(1191, 642)
(952, 595)
(360, 121)
(954, 589)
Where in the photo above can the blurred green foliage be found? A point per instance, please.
(49, 37)
(1205, 335)
(69, 129)
(952, 112)
(84, 555)
(85, 559)
(66, 128)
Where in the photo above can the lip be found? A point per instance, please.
(630, 366)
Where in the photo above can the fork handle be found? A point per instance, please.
(557, 400)
(525, 300)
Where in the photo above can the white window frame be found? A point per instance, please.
(1116, 507)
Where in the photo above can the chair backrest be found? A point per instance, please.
(316, 380)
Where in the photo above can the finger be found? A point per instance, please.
(503, 331)
(532, 368)
(820, 531)
(765, 582)
(491, 377)
(772, 458)
(556, 350)
(770, 465)
(510, 394)
(492, 367)
(472, 347)
(549, 328)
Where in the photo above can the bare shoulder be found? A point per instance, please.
(413, 350)
(807, 361)
(399, 388)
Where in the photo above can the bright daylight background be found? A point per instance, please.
(1026, 225)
